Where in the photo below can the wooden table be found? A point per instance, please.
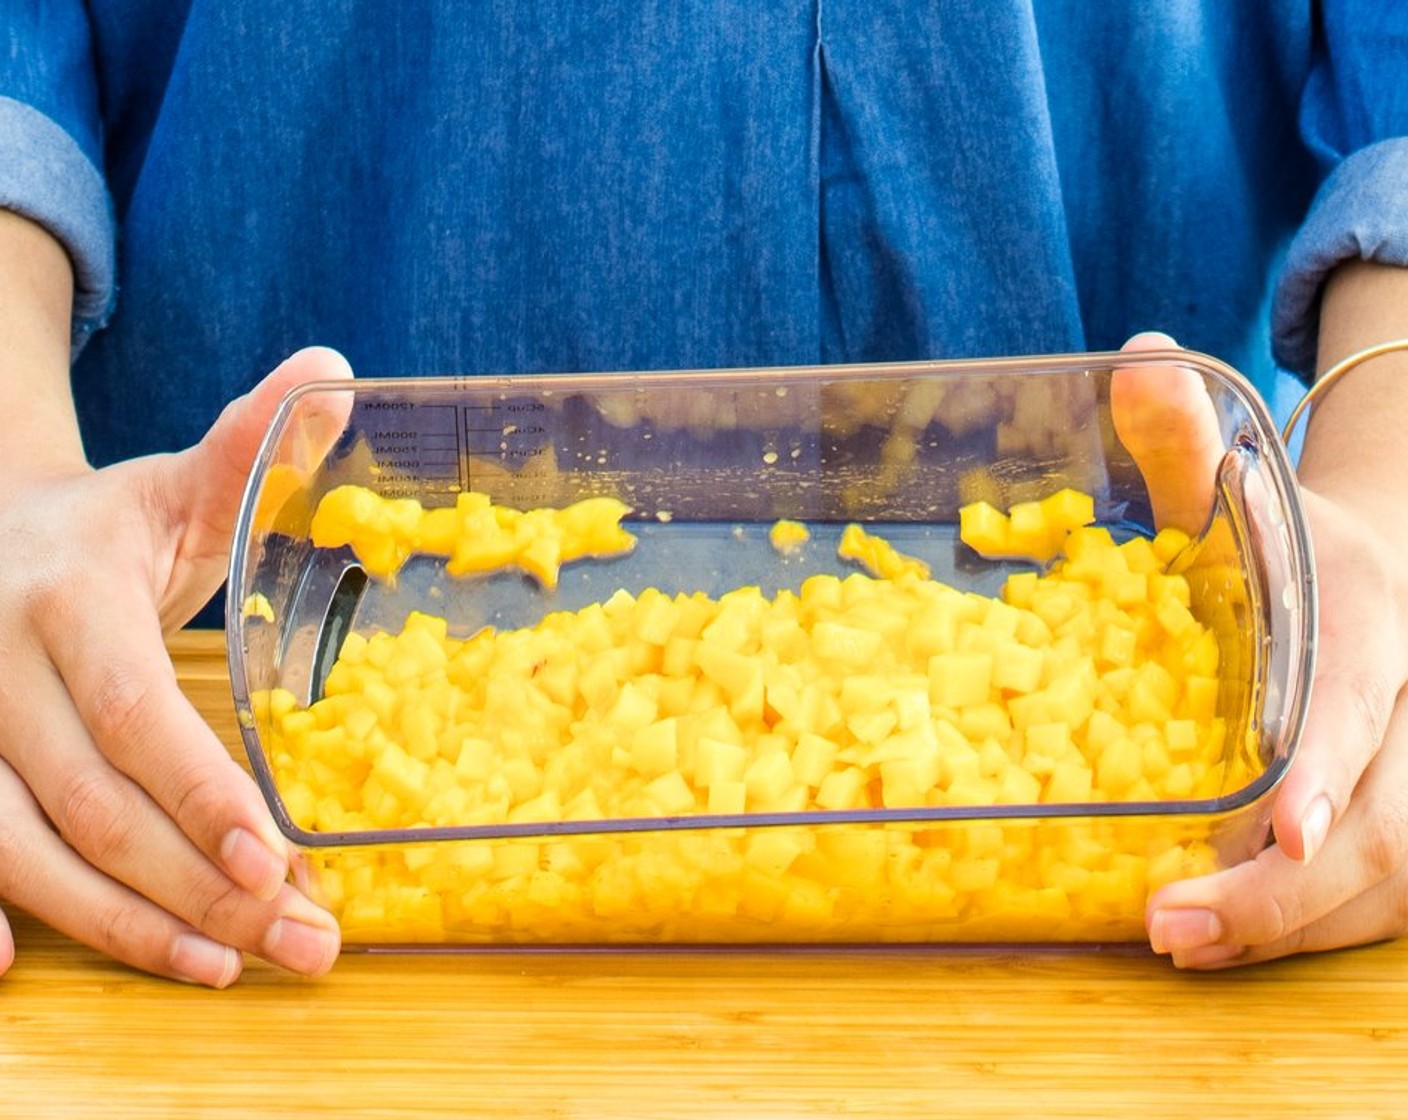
(906, 1033)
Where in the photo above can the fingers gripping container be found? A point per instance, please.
(708, 724)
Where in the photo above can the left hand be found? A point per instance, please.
(1337, 873)
(1319, 887)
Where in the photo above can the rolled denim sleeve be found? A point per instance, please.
(1354, 119)
(51, 147)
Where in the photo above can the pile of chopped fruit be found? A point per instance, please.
(882, 690)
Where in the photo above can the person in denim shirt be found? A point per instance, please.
(192, 191)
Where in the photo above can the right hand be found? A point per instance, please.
(124, 822)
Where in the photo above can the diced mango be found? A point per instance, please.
(878, 556)
(475, 536)
(1091, 681)
(788, 536)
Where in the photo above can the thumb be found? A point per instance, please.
(7, 945)
(229, 448)
(205, 484)
(1165, 419)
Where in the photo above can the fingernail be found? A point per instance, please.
(301, 948)
(269, 834)
(1207, 956)
(252, 864)
(202, 961)
(299, 874)
(1314, 827)
(1173, 931)
(303, 909)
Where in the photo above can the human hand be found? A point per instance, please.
(1313, 888)
(124, 822)
(1318, 887)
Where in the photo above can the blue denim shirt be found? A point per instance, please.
(516, 185)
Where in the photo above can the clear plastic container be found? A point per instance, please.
(707, 463)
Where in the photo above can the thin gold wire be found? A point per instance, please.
(1326, 381)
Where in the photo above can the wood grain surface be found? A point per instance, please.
(897, 1033)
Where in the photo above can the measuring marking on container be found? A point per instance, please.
(412, 443)
(446, 446)
(506, 428)
(512, 434)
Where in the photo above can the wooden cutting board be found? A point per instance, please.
(902, 1033)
